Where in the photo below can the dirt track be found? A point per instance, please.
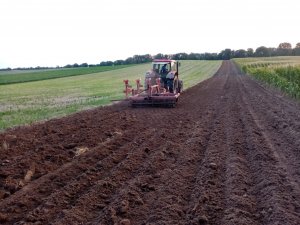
(229, 153)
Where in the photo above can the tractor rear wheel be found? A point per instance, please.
(175, 87)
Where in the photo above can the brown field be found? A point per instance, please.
(229, 153)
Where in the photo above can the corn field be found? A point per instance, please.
(281, 74)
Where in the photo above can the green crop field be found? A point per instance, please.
(18, 76)
(24, 103)
(280, 72)
(290, 60)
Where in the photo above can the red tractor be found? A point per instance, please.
(161, 86)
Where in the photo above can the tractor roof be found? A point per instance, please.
(163, 61)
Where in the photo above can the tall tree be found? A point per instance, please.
(180, 56)
(159, 56)
(296, 50)
(262, 51)
(284, 49)
(192, 56)
(241, 53)
(84, 65)
(273, 51)
(106, 63)
(119, 62)
(250, 52)
(225, 54)
(285, 45)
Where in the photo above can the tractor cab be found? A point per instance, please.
(161, 67)
(167, 71)
(164, 66)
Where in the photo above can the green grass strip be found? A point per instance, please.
(37, 75)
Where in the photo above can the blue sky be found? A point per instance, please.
(60, 32)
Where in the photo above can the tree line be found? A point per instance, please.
(283, 49)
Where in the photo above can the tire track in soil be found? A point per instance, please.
(218, 158)
(225, 185)
(205, 205)
(277, 189)
(282, 127)
(241, 204)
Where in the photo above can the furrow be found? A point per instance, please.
(275, 188)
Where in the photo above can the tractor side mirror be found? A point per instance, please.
(179, 64)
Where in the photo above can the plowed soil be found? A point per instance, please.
(229, 153)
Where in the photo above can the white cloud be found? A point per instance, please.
(58, 32)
